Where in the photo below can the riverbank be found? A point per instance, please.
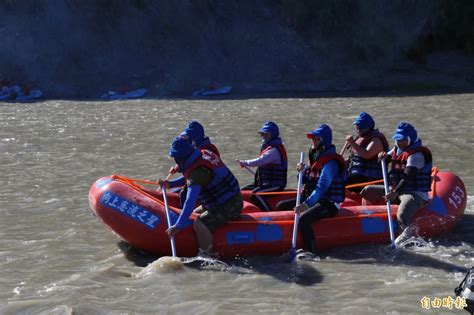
(442, 73)
(81, 50)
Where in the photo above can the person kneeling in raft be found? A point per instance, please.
(209, 180)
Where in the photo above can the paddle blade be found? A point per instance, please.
(292, 255)
(288, 257)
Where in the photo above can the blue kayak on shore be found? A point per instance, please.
(16, 93)
(210, 92)
(34, 94)
(112, 95)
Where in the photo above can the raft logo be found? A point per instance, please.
(447, 302)
(129, 209)
(457, 196)
(213, 159)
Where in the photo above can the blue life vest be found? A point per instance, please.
(273, 175)
(223, 185)
(337, 190)
(422, 182)
(370, 168)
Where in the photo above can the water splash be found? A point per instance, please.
(165, 264)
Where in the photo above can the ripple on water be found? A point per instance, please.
(57, 257)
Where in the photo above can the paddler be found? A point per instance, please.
(272, 165)
(194, 133)
(363, 163)
(324, 184)
(209, 180)
(410, 178)
(324, 180)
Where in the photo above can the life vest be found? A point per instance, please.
(273, 175)
(207, 145)
(466, 290)
(369, 168)
(336, 191)
(223, 185)
(422, 182)
(311, 155)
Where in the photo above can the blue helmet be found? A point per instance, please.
(180, 149)
(364, 121)
(195, 131)
(324, 132)
(405, 131)
(271, 128)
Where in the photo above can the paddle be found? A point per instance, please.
(168, 177)
(168, 220)
(389, 204)
(175, 263)
(246, 167)
(173, 170)
(344, 148)
(297, 216)
(250, 170)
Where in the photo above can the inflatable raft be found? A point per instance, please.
(210, 92)
(112, 95)
(16, 93)
(136, 214)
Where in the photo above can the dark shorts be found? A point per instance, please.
(223, 213)
(409, 202)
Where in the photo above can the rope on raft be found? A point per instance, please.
(131, 182)
(434, 171)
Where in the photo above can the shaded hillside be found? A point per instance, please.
(76, 48)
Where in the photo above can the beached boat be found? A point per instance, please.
(126, 95)
(137, 215)
(214, 91)
(17, 93)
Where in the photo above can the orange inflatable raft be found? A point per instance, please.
(136, 214)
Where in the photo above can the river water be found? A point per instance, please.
(56, 258)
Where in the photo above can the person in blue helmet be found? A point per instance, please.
(363, 163)
(272, 165)
(210, 181)
(324, 184)
(194, 133)
(410, 177)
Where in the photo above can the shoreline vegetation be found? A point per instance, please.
(80, 50)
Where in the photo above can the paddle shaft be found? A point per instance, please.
(246, 167)
(344, 148)
(170, 174)
(168, 220)
(250, 170)
(298, 201)
(389, 204)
